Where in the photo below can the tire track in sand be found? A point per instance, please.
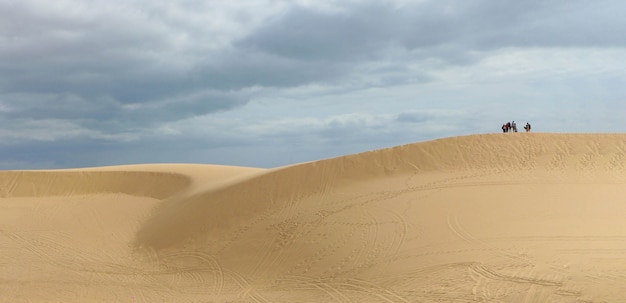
(484, 271)
(461, 233)
(210, 263)
(342, 290)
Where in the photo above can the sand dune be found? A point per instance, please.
(524, 217)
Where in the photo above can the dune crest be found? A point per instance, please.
(524, 217)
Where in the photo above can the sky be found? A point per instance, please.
(267, 83)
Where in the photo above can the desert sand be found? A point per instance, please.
(520, 217)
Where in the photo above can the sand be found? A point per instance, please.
(523, 217)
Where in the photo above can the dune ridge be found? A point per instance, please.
(524, 217)
(539, 152)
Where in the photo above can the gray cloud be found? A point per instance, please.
(364, 31)
(304, 34)
(135, 54)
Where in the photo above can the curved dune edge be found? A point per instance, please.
(158, 181)
(483, 218)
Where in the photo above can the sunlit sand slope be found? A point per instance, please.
(519, 217)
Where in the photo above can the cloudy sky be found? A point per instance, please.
(267, 83)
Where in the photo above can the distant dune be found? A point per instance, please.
(520, 217)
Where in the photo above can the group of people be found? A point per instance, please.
(512, 127)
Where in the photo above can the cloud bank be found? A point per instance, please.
(113, 82)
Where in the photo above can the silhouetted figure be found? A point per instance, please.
(514, 126)
(527, 127)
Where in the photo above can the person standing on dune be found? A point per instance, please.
(527, 127)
